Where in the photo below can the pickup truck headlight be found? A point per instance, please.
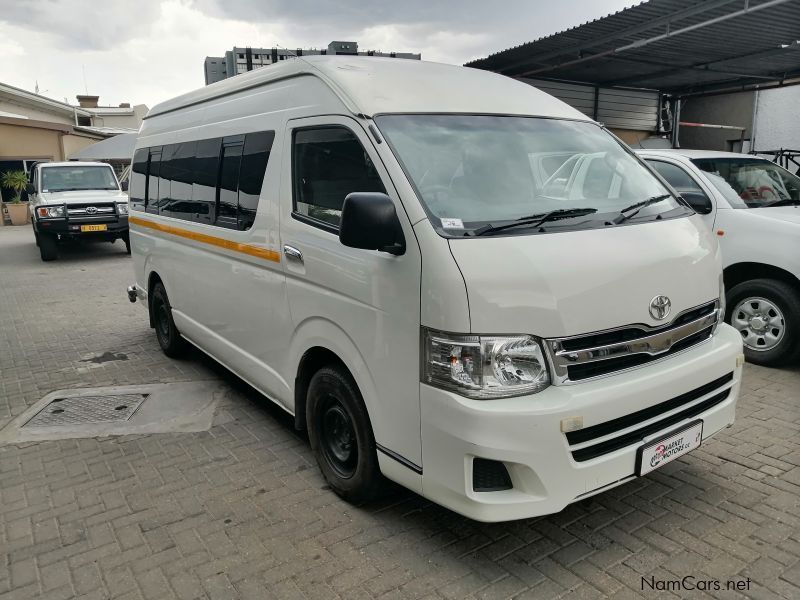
(50, 212)
(122, 208)
(484, 366)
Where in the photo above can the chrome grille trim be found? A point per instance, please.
(654, 341)
(99, 210)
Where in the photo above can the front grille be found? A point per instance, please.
(635, 436)
(602, 353)
(595, 369)
(90, 210)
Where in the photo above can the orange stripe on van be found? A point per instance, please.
(211, 240)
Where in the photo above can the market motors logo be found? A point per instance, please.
(658, 456)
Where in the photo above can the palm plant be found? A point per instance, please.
(16, 182)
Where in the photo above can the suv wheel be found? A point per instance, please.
(169, 338)
(48, 246)
(767, 314)
(341, 435)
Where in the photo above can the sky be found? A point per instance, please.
(146, 51)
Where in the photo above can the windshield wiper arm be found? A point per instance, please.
(537, 219)
(623, 214)
(783, 202)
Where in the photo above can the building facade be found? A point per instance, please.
(241, 60)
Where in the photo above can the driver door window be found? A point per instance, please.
(329, 163)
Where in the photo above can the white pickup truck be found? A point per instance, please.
(76, 200)
(753, 205)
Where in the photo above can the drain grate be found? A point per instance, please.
(79, 410)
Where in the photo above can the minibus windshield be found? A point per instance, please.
(65, 179)
(476, 171)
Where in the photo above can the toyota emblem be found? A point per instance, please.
(660, 307)
(90, 210)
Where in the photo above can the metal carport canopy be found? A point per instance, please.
(676, 46)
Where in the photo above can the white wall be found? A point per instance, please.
(778, 119)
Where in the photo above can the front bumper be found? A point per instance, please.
(115, 227)
(524, 433)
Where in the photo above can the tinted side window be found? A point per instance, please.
(228, 190)
(138, 185)
(180, 204)
(205, 171)
(153, 171)
(329, 163)
(166, 176)
(255, 156)
(676, 176)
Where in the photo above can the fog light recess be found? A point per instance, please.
(490, 476)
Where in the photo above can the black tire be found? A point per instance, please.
(785, 314)
(35, 234)
(341, 436)
(169, 338)
(48, 246)
(127, 241)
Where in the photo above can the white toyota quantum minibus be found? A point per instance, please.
(449, 278)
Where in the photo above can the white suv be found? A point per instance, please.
(753, 206)
(76, 200)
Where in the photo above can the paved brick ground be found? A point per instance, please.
(241, 510)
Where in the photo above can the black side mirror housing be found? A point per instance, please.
(30, 189)
(124, 186)
(369, 221)
(698, 201)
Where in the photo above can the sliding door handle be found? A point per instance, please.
(292, 253)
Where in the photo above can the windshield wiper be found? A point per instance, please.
(783, 202)
(536, 220)
(623, 214)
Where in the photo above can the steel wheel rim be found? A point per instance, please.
(338, 438)
(162, 320)
(760, 322)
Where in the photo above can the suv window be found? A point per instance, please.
(329, 163)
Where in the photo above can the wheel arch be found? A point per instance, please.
(318, 343)
(745, 271)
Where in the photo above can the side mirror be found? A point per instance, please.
(369, 221)
(698, 201)
(30, 189)
(124, 186)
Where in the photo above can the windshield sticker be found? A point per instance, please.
(452, 223)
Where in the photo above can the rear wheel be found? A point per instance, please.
(341, 435)
(48, 246)
(169, 338)
(766, 312)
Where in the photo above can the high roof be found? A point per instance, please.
(675, 46)
(372, 85)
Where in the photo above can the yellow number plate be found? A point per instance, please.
(94, 227)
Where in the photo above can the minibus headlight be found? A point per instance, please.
(722, 305)
(122, 208)
(50, 212)
(484, 367)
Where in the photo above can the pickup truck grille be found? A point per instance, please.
(90, 210)
(604, 438)
(580, 358)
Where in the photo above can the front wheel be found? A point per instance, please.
(127, 241)
(48, 246)
(169, 338)
(766, 312)
(341, 435)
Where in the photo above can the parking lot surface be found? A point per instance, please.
(241, 510)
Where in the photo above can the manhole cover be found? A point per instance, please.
(79, 410)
